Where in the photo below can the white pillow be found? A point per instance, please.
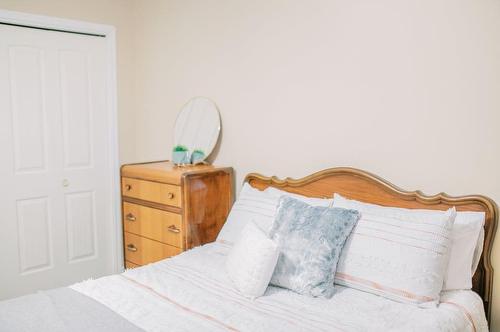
(251, 205)
(401, 254)
(260, 207)
(251, 262)
(466, 249)
(479, 250)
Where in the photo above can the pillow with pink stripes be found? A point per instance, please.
(400, 254)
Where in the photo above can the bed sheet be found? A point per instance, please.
(191, 292)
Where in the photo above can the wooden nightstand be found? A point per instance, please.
(168, 209)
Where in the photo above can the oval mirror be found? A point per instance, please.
(196, 130)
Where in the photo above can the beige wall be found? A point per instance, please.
(113, 12)
(409, 90)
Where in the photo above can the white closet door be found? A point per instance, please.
(56, 223)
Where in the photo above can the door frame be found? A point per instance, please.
(109, 33)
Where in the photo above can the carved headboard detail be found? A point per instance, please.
(366, 187)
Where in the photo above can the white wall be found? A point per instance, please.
(407, 89)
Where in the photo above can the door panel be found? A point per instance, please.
(80, 219)
(56, 223)
(75, 109)
(28, 121)
(35, 245)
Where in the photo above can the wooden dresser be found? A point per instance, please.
(168, 209)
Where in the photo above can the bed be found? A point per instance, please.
(191, 292)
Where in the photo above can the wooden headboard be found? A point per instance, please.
(366, 187)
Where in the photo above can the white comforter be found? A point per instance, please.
(191, 292)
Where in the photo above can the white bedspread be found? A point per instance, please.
(191, 292)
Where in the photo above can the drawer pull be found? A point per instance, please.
(170, 195)
(131, 247)
(130, 217)
(128, 187)
(173, 229)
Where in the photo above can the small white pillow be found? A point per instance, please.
(251, 262)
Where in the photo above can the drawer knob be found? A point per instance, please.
(131, 247)
(173, 229)
(170, 195)
(128, 187)
(130, 217)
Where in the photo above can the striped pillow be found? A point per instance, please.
(252, 205)
(259, 207)
(400, 254)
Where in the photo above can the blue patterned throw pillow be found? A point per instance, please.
(310, 239)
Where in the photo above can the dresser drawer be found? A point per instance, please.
(140, 250)
(130, 265)
(152, 191)
(155, 224)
